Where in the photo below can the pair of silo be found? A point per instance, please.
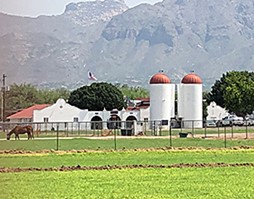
(189, 100)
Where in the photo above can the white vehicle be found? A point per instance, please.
(210, 123)
(249, 121)
(232, 120)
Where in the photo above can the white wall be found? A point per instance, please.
(21, 120)
(58, 112)
(144, 113)
(190, 105)
(61, 112)
(215, 112)
(64, 113)
(161, 101)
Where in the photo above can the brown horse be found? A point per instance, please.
(21, 130)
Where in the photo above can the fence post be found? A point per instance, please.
(181, 126)
(57, 136)
(154, 128)
(86, 128)
(79, 129)
(170, 133)
(205, 129)
(246, 131)
(225, 138)
(218, 131)
(192, 128)
(67, 129)
(115, 138)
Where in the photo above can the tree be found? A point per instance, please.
(50, 96)
(205, 104)
(25, 95)
(235, 92)
(96, 97)
(21, 96)
(133, 92)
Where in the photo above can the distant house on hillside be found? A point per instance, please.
(26, 115)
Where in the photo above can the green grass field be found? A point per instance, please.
(120, 144)
(174, 183)
(202, 183)
(131, 157)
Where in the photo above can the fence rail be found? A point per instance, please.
(170, 134)
(149, 128)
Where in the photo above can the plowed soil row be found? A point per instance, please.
(140, 149)
(111, 167)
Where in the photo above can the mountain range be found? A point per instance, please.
(128, 45)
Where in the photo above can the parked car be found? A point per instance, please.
(210, 123)
(231, 120)
(249, 121)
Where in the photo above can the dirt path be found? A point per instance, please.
(24, 152)
(112, 167)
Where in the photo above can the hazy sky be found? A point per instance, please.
(47, 7)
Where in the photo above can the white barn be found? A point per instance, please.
(66, 116)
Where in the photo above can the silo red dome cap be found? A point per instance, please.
(160, 78)
(191, 78)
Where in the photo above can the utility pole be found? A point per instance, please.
(4, 95)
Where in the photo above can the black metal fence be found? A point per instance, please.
(141, 134)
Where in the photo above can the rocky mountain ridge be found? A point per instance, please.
(122, 45)
(89, 13)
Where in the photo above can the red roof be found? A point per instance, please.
(137, 108)
(28, 112)
(191, 79)
(160, 78)
(146, 99)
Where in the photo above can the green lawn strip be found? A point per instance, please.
(176, 183)
(126, 158)
(82, 143)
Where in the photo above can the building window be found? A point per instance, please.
(46, 119)
(75, 119)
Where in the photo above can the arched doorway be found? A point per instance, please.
(114, 122)
(96, 123)
(129, 121)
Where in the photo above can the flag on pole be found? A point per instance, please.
(91, 76)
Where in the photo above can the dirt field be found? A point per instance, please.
(110, 167)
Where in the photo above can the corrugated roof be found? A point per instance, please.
(28, 112)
